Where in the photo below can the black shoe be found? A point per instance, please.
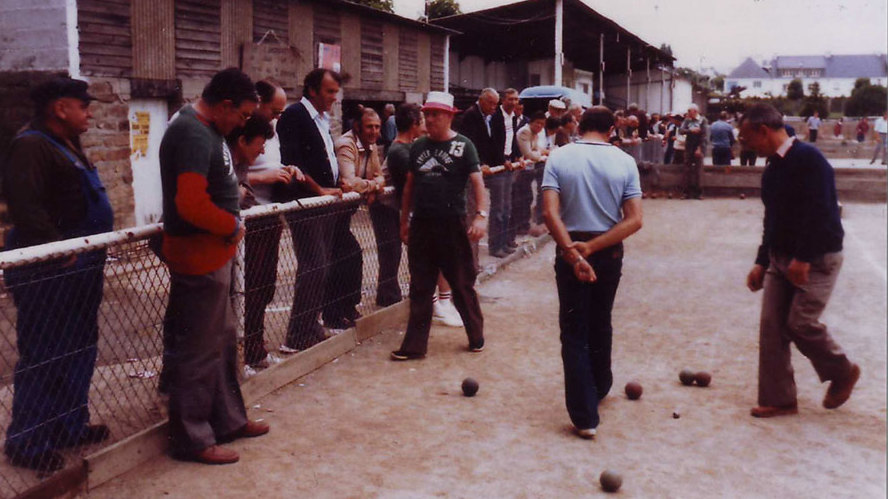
(509, 250)
(476, 347)
(499, 254)
(512, 245)
(402, 355)
(92, 434)
(45, 461)
(341, 323)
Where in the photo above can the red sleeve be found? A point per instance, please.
(195, 206)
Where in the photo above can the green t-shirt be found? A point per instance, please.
(188, 145)
(440, 172)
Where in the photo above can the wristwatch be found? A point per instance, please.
(481, 213)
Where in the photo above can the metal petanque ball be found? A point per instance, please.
(686, 376)
(611, 481)
(703, 378)
(469, 387)
(634, 390)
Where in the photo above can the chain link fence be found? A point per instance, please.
(81, 331)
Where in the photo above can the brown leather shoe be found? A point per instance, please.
(250, 430)
(770, 411)
(216, 454)
(840, 389)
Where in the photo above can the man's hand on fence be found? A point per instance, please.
(296, 173)
(329, 191)
(485, 170)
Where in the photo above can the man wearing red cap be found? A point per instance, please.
(437, 237)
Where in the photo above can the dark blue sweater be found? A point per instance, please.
(801, 208)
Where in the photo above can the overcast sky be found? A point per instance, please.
(722, 33)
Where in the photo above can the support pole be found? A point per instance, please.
(647, 88)
(447, 63)
(559, 41)
(628, 75)
(601, 71)
(662, 90)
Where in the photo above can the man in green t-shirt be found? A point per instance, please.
(437, 237)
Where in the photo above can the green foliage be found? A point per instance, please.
(795, 90)
(665, 47)
(867, 99)
(815, 101)
(385, 5)
(718, 83)
(442, 8)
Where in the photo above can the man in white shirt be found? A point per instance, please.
(881, 128)
(813, 126)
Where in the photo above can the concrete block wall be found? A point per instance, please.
(34, 35)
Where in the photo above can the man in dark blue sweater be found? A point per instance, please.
(797, 265)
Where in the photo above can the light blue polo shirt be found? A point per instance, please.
(593, 180)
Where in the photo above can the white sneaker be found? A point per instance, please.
(284, 349)
(249, 372)
(444, 313)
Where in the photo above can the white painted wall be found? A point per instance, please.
(829, 87)
(543, 67)
(147, 190)
(653, 97)
(36, 35)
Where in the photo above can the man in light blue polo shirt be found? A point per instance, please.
(591, 202)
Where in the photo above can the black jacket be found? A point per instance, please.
(302, 146)
(490, 147)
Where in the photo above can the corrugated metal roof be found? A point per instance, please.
(857, 66)
(800, 61)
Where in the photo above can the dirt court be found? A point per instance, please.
(364, 426)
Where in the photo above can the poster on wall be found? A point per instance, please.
(329, 57)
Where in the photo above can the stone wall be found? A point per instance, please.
(107, 145)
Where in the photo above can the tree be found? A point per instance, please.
(815, 101)
(795, 90)
(385, 5)
(718, 83)
(867, 99)
(442, 8)
(665, 47)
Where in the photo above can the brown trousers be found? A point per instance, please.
(440, 245)
(791, 314)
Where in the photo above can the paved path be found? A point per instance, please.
(367, 427)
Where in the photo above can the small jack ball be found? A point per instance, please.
(634, 390)
(742, 196)
(686, 376)
(703, 378)
(469, 387)
(611, 481)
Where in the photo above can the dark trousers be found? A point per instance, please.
(57, 331)
(312, 231)
(584, 316)
(205, 397)
(386, 227)
(678, 156)
(538, 170)
(342, 291)
(721, 156)
(693, 174)
(260, 277)
(667, 156)
(500, 186)
(812, 135)
(522, 198)
(747, 158)
(440, 245)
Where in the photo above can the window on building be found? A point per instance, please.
(757, 84)
(585, 88)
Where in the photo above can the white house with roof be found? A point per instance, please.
(836, 74)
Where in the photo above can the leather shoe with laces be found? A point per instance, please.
(770, 411)
(92, 434)
(250, 430)
(48, 461)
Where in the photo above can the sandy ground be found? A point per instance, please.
(367, 427)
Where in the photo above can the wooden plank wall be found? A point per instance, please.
(154, 39)
(271, 15)
(437, 62)
(408, 60)
(106, 45)
(326, 28)
(371, 54)
(198, 37)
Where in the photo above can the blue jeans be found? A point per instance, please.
(500, 186)
(585, 319)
